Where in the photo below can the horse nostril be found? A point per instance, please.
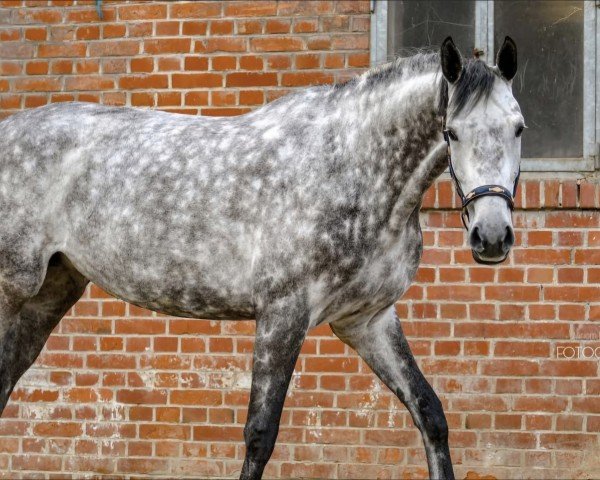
(509, 239)
(475, 239)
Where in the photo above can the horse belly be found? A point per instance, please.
(191, 277)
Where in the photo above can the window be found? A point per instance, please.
(556, 83)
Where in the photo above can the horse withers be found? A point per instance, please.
(302, 212)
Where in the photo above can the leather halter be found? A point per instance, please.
(478, 192)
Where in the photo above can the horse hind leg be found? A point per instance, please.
(383, 346)
(27, 320)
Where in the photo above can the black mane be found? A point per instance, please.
(475, 82)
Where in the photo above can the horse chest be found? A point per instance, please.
(383, 279)
(392, 269)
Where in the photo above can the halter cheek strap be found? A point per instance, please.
(478, 192)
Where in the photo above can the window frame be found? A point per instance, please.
(484, 38)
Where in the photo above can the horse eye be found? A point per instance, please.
(519, 131)
(452, 135)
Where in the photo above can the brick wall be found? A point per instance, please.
(122, 391)
(212, 58)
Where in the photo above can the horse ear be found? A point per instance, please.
(507, 59)
(451, 60)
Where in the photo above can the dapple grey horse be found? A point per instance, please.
(302, 212)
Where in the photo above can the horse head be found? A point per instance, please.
(483, 127)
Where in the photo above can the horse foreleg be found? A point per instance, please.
(280, 332)
(382, 344)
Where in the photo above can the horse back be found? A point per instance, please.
(136, 201)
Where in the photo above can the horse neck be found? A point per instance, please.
(397, 145)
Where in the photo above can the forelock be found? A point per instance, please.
(476, 81)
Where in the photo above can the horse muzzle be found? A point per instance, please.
(490, 245)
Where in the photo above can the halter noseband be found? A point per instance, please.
(477, 192)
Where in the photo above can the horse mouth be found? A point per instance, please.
(487, 261)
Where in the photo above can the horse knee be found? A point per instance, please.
(433, 420)
(260, 440)
(437, 428)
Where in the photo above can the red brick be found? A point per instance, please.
(167, 45)
(10, 102)
(165, 432)
(47, 84)
(91, 83)
(220, 44)
(572, 293)
(167, 28)
(143, 397)
(559, 441)
(306, 26)
(62, 50)
(300, 470)
(306, 78)
(91, 32)
(36, 68)
(522, 349)
(36, 462)
(276, 44)
(113, 31)
(307, 61)
(169, 64)
(257, 8)
(221, 27)
(454, 292)
(196, 98)
(539, 238)
(243, 79)
(510, 440)
(324, 364)
(572, 219)
(111, 361)
(58, 429)
(351, 6)
(223, 62)
(142, 65)
(146, 12)
(197, 80)
(568, 368)
(214, 433)
(37, 34)
(249, 27)
(142, 465)
(569, 194)
(114, 48)
(251, 62)
(195, 9)
(137, 82)
(359, 60)
(589, 195)
(35, 15)
(32, 101)
(509, 293)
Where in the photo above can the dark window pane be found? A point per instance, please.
(549, 82)
(427, 23)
